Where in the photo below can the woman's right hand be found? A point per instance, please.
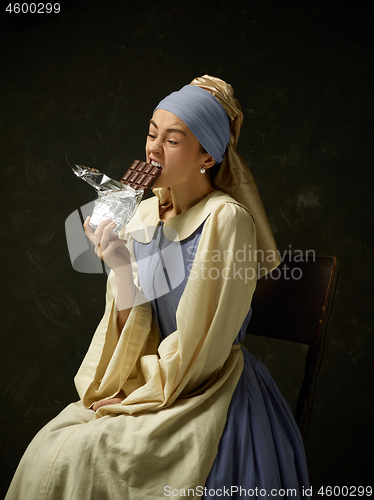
(108, 246)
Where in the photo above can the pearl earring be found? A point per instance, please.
(202, 170)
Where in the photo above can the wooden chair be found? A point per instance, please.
(294, 303)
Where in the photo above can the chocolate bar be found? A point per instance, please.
(118, 201)
(141, 175)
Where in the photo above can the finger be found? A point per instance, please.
(118, 246)
(105, 402)
(106, 235)
(99, 404)
(98, 251)
(111, 247)
(99, 230)
(88, 229)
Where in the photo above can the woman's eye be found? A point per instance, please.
(153, 137)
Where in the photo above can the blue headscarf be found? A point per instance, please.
(203, 115)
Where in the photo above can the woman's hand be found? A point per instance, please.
(112, 250)
(108, 246)
(113, 401)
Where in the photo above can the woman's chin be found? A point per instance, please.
(159, 184)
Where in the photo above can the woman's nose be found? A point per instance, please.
(155, 146)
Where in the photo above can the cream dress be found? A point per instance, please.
(178, 389)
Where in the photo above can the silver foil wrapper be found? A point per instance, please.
(120, 206)
(116, 201)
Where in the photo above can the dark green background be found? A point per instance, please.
(85, 84)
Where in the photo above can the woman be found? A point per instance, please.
(170, 402)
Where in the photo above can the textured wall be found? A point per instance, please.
(85, 83)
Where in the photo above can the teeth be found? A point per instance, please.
(155, 163)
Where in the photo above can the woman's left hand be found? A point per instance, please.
(112, 401)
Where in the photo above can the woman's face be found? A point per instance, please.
(171, 144)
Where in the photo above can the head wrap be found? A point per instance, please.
(203, 115)
(234, 176)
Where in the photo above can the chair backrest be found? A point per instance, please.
(293, 303)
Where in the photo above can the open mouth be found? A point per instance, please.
(156, 164)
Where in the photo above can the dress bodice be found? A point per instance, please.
(164, 269)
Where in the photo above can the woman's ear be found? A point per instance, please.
(209, 161)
